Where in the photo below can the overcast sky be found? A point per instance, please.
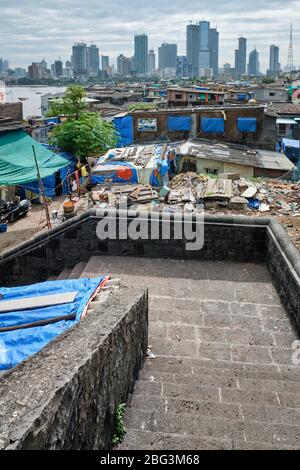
(34, 29)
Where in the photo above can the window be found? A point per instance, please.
(282, 129)
(210, 171)
(271, 94)
(178, 97)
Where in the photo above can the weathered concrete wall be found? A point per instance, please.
(264, 137)
(65, 397)
(11, 110)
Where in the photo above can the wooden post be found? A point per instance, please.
(44, 202)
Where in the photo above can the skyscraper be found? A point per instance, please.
(79, 59)
(202, 50)
(274, 65)
(93, 60)
(241, 57)
(182, 67)
(105, 63)
(204, 44)
(192, 50)
(253, 66)
(58, 69)
(123, 65)
(214, 51)
(140, 59)
(151, 61)
(167, 56)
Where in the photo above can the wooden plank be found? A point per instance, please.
(48, 321)
(29, 303)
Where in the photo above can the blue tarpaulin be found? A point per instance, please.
(18, 345)
(179, 123)
(212, 125)
(290, 143)
(246, 124)
(160, 175)
(124, 127)
(118, 175)
(49, 182)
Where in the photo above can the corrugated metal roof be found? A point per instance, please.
(236, 154)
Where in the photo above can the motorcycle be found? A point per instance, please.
(14, 210)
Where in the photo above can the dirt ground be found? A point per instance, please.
(25, 228)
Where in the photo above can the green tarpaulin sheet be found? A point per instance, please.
(17, 165)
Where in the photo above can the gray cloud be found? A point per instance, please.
(35, 29)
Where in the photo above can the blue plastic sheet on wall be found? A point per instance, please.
(18, 345)
(247, 124)
(212, 125)
(124, 127)
(179, 123)
(48, 183)
(242, 97)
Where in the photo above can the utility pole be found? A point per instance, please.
(44, 201)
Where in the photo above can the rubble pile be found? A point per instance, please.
(255, 196)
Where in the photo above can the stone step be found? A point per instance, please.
(92, 268)
(156, 366)
(64, 274)
(77, 271)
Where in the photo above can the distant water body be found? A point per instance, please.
(32, 105)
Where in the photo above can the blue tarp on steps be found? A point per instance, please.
(18, 345)
(212, 125)
(124, 127)
(246, 124)
(179, 123)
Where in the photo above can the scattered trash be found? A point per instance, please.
(250, 192)
(264, 207)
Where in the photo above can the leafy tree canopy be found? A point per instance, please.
(88, 135)
(71, 105)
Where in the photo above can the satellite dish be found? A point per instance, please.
(296, 96)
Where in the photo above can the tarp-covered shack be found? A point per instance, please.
(18, 167)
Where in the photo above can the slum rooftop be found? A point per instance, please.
(285, 108)
(207, 108)
(234, 153)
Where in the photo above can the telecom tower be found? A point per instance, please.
(290, 62)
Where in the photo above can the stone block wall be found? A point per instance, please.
(283, 260)
(225, 238)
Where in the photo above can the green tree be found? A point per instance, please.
(73, 104)
(268, 80)
(87, 135)
(136, 106)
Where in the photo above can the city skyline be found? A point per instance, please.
(58, 27)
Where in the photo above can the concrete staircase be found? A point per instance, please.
(93, 268)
